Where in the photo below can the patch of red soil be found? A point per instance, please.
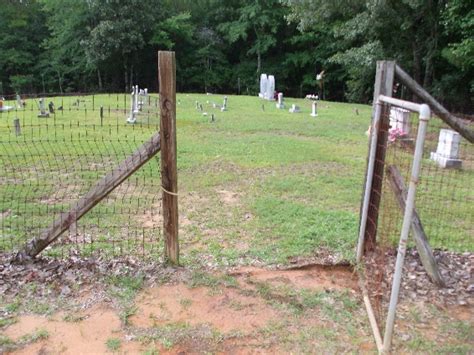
(84, 337)
(227, 310)
(309, 277)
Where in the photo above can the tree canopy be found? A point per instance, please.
(224, 45)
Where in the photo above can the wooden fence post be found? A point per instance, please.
(169, 176)
(383, 86)
(16, 122)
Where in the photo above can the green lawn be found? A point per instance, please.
(257, 184)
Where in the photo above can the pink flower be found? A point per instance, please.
(395, 133)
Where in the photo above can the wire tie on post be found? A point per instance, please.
(168, 192)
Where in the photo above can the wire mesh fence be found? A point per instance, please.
(52, 153)
(444, 197)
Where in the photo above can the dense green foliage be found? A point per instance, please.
(223, 45)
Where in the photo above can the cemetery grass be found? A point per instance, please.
(255, 188)
(256, 185)
(290, 183)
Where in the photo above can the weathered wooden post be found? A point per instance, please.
(169, 177)
(16, 122)
(383, 86)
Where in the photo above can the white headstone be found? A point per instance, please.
(224, 105)
(42, 108)
(141, 101)
(136, 94)
(270, 88)
(314, 109)
(294, 109)
(263, 86)
(447, 152)
(280, 103)
(400, 119)
(19, 104)
(133, 111)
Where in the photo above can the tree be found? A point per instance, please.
(257, 24)
(69, 22)
(123, 28)
(23, 30)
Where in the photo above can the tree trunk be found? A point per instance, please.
(259, 63)
(416, 66)
(125, 75)
(60, 82)
(99, 79)
(432, 43)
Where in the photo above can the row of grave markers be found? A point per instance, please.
(446, 155)
(267, 92)
(447, 152)
(222, 108)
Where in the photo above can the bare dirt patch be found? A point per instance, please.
(301, 309)
(87, 336)
(228, 197)
(314, 277)
(227, 310)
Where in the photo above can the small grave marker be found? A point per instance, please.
(224, 105)
(447, 152)
(42, 108)
(314, 109)
(294, 109)
(19, 103)
(135, 95)
(280, 103)
(133, 111)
